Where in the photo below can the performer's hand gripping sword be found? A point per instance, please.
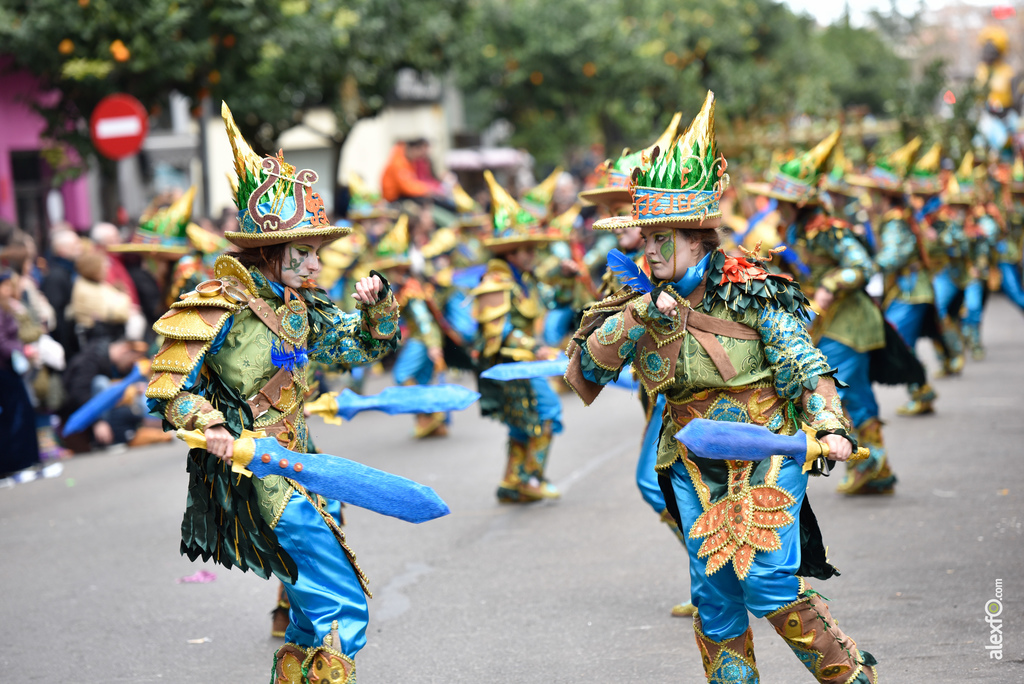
(726, 441)
(332, 477)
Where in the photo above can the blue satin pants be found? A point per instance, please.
(722, 599)
(413, 364)
(556, 325)
(853, 368)
(907, 319)
(945, 290)
(327, 587)
(646, 475)
(1011, 283)
(974, 303)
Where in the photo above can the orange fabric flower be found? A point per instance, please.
(739, 270)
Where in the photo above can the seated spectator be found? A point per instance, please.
(408, 175)
(98, 308)
(105, 235)
(17, 417)
(57, 284)
(99, 364)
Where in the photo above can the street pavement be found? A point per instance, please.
(577, 590)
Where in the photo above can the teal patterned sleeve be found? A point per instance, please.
(802, 373)
(855, 266)
(898, 246)
(361, 337)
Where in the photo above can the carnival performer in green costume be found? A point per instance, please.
(720, 338)
(233, 359)
(507, 309)
(835, 268)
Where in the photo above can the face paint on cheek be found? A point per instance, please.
(668, 250)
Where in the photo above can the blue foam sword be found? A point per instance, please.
(555, 368)
(393, 400)
(92, 410)
(726, 441)
(332, 477)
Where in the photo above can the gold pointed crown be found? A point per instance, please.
(924, 176)
(565, 221)
(513, 225)
(960, 188)
(537, 200)
(614, 176)
(276, 205)
(797, 180)
(682, 185)
(888, 174)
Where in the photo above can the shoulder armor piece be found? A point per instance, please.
(227, 265)
(498, 278)
(192, 323)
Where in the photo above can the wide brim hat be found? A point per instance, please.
(163, 235)
(614, 192)
(683, 186)
(276, 203)
(513, 227)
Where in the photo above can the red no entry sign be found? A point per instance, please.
(118, 126)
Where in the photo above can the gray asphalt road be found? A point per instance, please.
(573, 591)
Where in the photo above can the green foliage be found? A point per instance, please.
(269, 59)
(572, 72)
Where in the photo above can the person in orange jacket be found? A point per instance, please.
(401, 179)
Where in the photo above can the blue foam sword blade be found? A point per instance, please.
(407, 399)
(91, 410)
(527, 370)
(351, 482)
(723, 440)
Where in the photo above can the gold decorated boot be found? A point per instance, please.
(327, 664)
(537, 451)
(921, 401)
(813, 635)
(873, 474)
(513, 488)
(727, 662)
(288, 665)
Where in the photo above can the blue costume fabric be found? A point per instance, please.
(557, 324)
(326, 588)
(854, 369)
(974, 303)
(646, 475)
(413, 364)
(1012, 283)
(721, 598)
(945, 291)
(907, 319)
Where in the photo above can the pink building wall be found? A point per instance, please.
(20, 128)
